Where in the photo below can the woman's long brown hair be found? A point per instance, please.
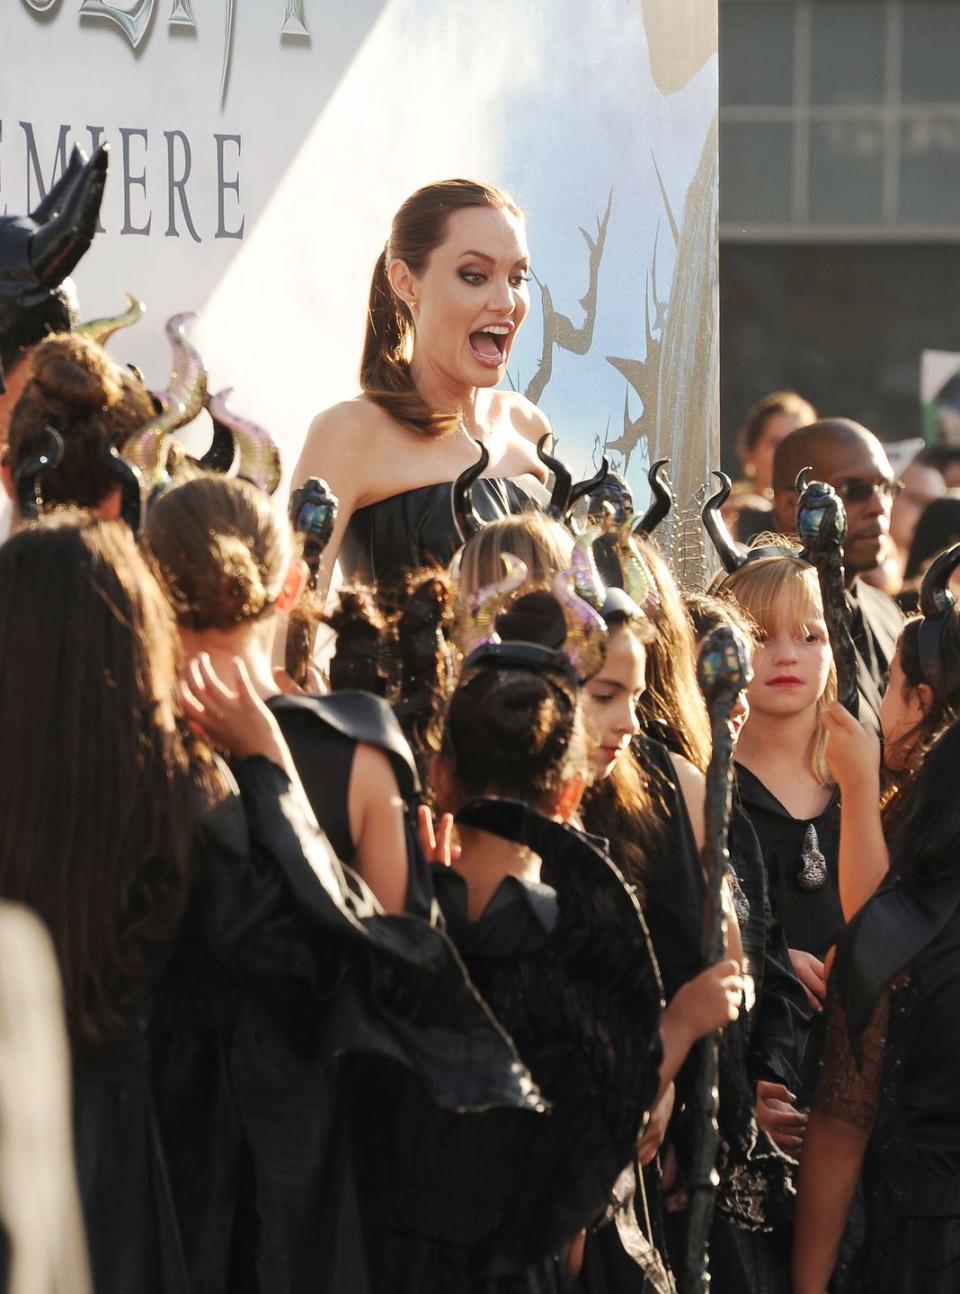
(419, 227)
(94, 779)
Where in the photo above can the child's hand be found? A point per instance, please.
(656, 1129)
(853, 749)
(229, 712)
(437, 845)
(779, 1118)
(710, 1001)
(810, 971)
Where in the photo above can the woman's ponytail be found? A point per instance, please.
(385, 369)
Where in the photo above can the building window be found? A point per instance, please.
(839, 119)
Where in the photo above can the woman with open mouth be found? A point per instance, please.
(448, 296)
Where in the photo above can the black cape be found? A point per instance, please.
(486, 1203)
(246, 1076)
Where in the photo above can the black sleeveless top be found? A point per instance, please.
(416, 528)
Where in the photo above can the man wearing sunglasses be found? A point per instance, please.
(854, 462)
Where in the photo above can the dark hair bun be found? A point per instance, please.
(524, 714)
(535, 618)
(513, 733)
(73, 371)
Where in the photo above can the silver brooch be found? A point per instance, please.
(813, 870)
(741, 904)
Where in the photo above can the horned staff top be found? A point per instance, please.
(723, 671)
(822, 527)
(313, 512)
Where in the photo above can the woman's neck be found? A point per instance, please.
(444, 396)
(486, 860)
(251, 642)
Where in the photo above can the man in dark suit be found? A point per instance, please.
(854, 462)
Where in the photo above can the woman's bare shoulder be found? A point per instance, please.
(532, 423)
(359, 416)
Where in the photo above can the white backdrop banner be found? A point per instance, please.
(260, 148)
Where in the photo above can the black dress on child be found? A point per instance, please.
(246, 1081)
(385, 540)
(891, 1067)
(747, 1250)
(801, 858)
(323, 733)
(486, 1202)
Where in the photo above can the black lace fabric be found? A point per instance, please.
(852, 1074)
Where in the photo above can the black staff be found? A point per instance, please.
(313, 511)
(723, 671)
(822, 528)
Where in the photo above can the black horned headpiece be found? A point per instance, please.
(728, 550)
(39, 251)
(662, 501)
(936, 604)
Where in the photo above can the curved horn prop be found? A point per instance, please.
(467, 520)
(586, 577)
(222, 453)
(149, 448)
(131, 486)
(638, 579)
(715, 526)
(586, 640)
(476, 612)
(101, 330)
(803, 480)
(663, 500)
(259, 458)
(935, 596)
(562, 481)
(26, 479)
(583, 488)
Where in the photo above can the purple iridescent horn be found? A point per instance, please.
(259, 458)
(586, 577)
(476, 612)
(638, 579)
(586, 641)
(149, 448)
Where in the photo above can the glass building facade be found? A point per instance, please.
(839, 203)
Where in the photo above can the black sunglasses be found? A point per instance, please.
(861, 491)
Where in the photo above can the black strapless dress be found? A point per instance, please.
(417, 528)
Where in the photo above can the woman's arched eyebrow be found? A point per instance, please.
(490, 260)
